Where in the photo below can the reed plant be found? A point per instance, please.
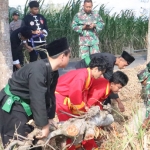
(121, 30)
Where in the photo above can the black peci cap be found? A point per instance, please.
(57, 46)
(127, 57)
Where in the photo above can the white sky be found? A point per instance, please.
(117, 5)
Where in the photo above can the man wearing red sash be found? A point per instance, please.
(72, 88)
(98, 91)
(102, 88)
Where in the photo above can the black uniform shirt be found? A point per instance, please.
(36, 22)
(30, 82)
(110, 58)
(15, 43)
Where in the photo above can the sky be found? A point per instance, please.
(117, 5)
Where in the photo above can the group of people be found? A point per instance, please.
(32, 30)
(29, 32)
(35, 91)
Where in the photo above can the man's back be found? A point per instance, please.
(74, 78)
(99, 91)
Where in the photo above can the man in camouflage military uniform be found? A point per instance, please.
(87, 23)
(144, 78)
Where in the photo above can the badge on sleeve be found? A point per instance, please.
(32, 23)
(41, 20)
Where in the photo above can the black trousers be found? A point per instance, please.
(17, 118)
(34, 54)
(12, 120)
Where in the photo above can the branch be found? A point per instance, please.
(18, 135)
(15, 142)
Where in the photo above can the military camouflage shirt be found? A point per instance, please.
(87, 37)
(142, 76)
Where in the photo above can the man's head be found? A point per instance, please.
(87, 6)
(59, 49)
(124, 60)
(98, 66)
(34, 7)
(117, 81)
(25, 33)
(144, 75)
(15, 16)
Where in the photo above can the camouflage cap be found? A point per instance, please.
(144, 74)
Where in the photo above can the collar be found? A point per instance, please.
(15, 20)
(32, 14)
(83, 12)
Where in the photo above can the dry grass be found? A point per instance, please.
(126, 132)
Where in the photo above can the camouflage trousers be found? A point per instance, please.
(148, 108)
(87, 50)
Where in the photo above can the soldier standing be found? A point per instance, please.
(144, 78)
(87, 23)
(16, 23)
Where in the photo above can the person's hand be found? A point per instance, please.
(29, 48)
(36, 32)
(44, 132)
(18, 66)
(86, 108)
(52, 123)
(84, 27)
(121, 107)
(42, 32)
(92, 26)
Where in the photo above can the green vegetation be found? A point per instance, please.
(120, 30)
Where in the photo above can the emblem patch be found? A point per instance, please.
(31, 23)
(41, 21)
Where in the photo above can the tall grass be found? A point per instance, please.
(120, 30)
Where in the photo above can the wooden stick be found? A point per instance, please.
(15, 134)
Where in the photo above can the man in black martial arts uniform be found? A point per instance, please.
(17, 40)
(124, 60)
(30, 93)
(39, 27)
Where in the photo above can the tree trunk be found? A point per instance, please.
(5, 49)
